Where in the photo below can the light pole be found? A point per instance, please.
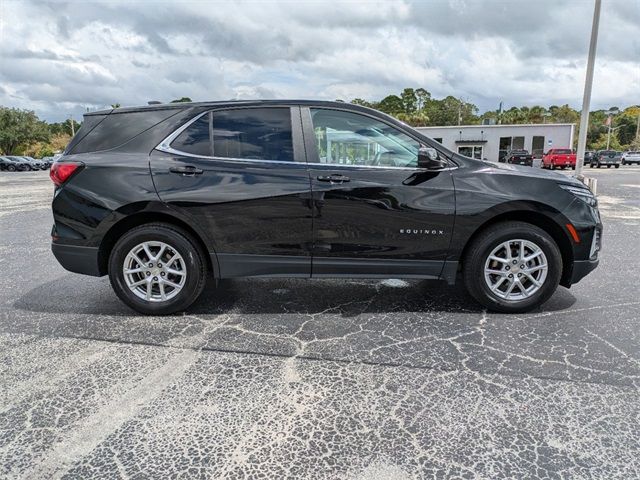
(586, 98)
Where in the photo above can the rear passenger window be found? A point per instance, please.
(195, 138)
(253, 133)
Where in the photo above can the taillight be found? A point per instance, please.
(61, 171)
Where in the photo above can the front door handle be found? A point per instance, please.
(187, 171)
(334, 178)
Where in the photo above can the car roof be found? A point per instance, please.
(228, 103)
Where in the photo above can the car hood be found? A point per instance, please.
(531, 172)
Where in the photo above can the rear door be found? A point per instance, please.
(240, 175)
(375, 213)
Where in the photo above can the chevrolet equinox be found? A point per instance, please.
(160, 196)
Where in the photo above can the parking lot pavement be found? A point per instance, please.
(318, 378)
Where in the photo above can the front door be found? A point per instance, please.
(241, 176)
(376, 214)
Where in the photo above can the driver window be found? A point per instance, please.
(352, 139)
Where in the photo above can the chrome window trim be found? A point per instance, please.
(165, 146)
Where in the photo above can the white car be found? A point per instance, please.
(629, 158)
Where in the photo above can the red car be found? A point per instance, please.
(559, 158)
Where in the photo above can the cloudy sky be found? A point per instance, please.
(60, 58)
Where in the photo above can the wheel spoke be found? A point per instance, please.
(147, 250)
(533, 280)
(498, 284)
(522, 289)
(137, 259)
(163, 296)
(498, 259)
(534, 268)
(172, 284)
(521, 256)
(174, 272)
(163, 247)
(149, 288)
(138, 283)
(128, 271)
(532, 256)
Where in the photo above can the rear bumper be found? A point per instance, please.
(77, 259)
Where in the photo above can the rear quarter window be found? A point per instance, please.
(118, 128)
(195, 138)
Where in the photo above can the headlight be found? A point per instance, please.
(583, 194)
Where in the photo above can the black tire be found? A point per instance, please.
(617, 166)
(180, 241)
(11, 168)
(484, 244)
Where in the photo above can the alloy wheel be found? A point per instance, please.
(154, 271)
(515, 269)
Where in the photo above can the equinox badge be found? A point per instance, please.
(415, 231)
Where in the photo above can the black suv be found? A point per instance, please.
(519, 157)
(158, 196)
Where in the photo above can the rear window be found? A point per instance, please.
(563, 151)
(253, 133)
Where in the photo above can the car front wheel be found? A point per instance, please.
(157, 269)
(512, 267)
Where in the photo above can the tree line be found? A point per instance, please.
(418, 108)
(23, 133)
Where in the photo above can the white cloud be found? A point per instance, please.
(91, 54)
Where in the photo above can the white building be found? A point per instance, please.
(486, 141)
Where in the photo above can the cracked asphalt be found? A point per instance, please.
(315, 379)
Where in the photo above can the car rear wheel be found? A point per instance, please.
(11, 168)
(512, 267)
(157, 269)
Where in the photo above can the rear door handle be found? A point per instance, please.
(334, 178)
(188, 170)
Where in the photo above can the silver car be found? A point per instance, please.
(631, 157)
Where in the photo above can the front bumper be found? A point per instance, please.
(581, 268)
(77, 259)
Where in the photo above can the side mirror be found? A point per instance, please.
(428, 158)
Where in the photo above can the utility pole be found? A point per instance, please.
(73, 128)
(588, 83)
(609, 122)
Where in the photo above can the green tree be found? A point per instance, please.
(20, 129)
(391, 104)
(626, 128)
(115, 105)
(182, 100)
(409, 100)
(422, 97)
(362, 103)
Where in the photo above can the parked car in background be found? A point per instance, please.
(606, 157)
(519, 157)
(559, 158)
(631, 157)
(35, 164)
(157, 208)
(588, 156)
(20, 164)
(47, 161)
(14, 164)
